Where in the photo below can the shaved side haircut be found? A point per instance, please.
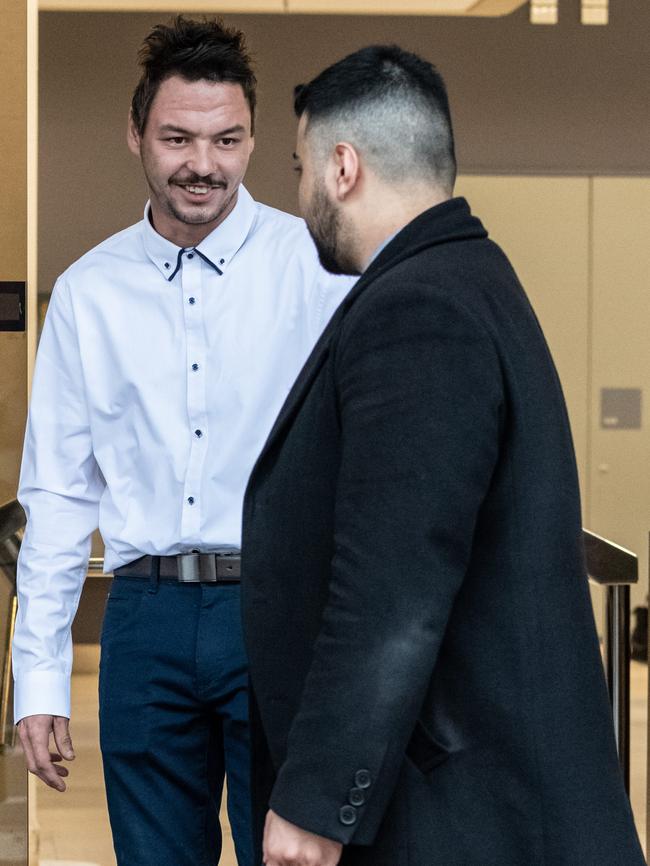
(392, 106)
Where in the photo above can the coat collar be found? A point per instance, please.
(451, 220)
(445, 223)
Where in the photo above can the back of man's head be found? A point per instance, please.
(194, 50)
(392, 106)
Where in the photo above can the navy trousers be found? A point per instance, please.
(173, 713)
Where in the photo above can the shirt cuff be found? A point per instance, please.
(41, 692)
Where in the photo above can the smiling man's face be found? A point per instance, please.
(195, 151)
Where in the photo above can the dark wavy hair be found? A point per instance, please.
(194, 50)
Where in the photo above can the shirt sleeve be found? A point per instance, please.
(60, 488)
(328, 291)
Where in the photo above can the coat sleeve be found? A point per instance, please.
(420, 399)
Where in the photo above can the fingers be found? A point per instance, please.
(62, 737)
(62, 771)
(27, 747)
(288, 845)
(34, 732)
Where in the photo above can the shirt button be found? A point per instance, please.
(190, 255)
(192, 300)
(195, 367)
(167, 265)
(347, 815)
(222, 261)
(190, 500)
(198, 433)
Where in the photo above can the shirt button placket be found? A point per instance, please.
(196, 352)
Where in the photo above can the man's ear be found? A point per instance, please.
(347, 169)
(132, 135)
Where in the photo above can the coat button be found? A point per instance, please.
(356, 797)
(347, 815)
(362, 779)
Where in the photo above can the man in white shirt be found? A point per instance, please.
(166, 355)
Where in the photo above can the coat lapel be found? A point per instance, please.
(446, 222)
(307, 375)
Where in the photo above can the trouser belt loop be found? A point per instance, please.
(154, 575)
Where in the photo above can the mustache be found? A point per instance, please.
(196, 179)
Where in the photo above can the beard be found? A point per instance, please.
(195, 214)
(200, 215)
(324, 224)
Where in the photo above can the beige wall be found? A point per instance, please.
(620, 476)
(13, 234)
(580, 247)
(531, 217)
(538, 112)
(526, 100)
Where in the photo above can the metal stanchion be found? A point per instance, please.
(617, 654)
(615, 568)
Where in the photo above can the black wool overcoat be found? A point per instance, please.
(426, 680)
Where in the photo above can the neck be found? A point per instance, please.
(386, 213)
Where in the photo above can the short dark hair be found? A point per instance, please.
(194, 50)
(386, 81)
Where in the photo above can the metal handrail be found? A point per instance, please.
(615, 568)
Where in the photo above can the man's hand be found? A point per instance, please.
(288, 845)
(34, 732)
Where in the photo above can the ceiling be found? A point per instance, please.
(353, 7)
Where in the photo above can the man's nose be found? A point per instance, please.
(201, 159)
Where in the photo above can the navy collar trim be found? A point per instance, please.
(179, 261)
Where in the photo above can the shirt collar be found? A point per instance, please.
(217, 249)
(382, 246)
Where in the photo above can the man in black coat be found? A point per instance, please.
(426, 677)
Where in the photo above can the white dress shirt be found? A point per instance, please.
(159, 374)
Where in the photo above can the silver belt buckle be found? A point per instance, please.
(208, 567)
(196, 568)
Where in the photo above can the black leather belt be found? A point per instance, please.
(214, 567)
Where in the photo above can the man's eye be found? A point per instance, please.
(177, 139)
(228, 142)
(297, 169)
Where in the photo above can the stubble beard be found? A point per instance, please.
(195, 215)
(325, 227)
(198, 215)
